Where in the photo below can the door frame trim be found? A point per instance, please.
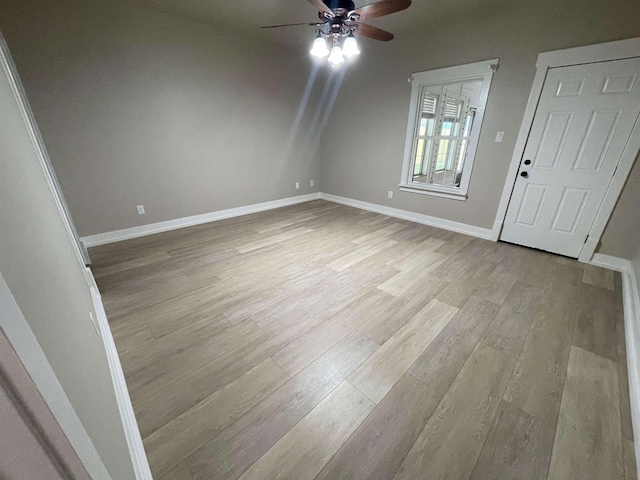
(26, 345)
(33, 410)
(618, 50)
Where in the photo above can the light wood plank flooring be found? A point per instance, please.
(322, 341)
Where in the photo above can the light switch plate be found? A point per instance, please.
(499, 137)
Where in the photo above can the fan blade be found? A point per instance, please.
(321, 7)
(293, 25)
(379, 9)
(372, 32)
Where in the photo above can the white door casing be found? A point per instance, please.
(32, 444)
(585, 116)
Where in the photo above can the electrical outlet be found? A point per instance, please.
(140, 209)
(499, 137)
(297, 185)
(390, 193)
(311, 183)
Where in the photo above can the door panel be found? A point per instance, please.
(570, 210)
(531, 204)
(619, 83)
(600, 131)
(570, 88)
(583, 121)
(553, 139)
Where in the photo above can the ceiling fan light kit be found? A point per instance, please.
(350, 46)
(319, 48)
(339, 20)
(338, 52)
(336, 57)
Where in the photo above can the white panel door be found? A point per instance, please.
(583, 121)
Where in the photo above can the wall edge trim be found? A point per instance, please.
(123, 399)
(631, 302)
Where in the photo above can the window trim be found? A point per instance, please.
(484, 70)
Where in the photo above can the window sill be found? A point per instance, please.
(436, 192)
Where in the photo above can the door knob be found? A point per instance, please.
(527, 162)
(524, 174)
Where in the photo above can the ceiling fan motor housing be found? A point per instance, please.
(340, 9)
(347, 5)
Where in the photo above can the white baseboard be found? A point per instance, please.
(412, 216)
(127, 415)
(612, 263)
(631, 300)
(632, 331)
(150, 229)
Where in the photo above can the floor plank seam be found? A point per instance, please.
(370, 399)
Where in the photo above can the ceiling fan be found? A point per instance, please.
(339, 20)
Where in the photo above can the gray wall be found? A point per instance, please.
(138, 107)
(47, 280)
(621, 237)
(373, 105)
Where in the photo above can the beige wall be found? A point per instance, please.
(622, 234)
(371, 115)
(46, 278)
(139, 107)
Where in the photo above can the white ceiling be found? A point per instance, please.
(246, 16)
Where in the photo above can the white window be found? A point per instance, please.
(445, 117)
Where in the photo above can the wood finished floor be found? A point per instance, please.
(322, 341)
